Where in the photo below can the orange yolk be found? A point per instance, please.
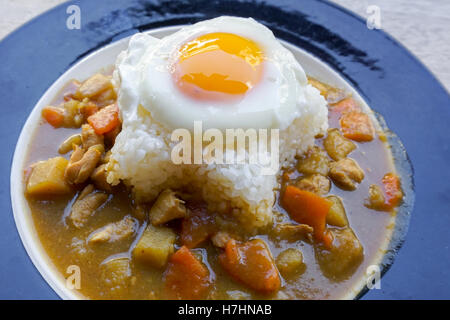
(218, 66)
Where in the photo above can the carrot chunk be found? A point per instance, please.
(392, 189)
(53, 115)
(307, 208)
(345, 105)
(357, 126)
(198, 226)
(185, 276)
(105, 120)
(251, 264)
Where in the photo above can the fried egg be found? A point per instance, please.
(227, 72)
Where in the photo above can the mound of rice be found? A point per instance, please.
(141, 158)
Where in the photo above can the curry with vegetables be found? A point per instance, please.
(335, 210)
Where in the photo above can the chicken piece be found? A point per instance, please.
(89, 138)
(115, 231)
(167, 207)
(86, 204)
(315, 183)
(314, 161)
(332, 95)
(293, 232)
(220, 239)
(343, 258)
(290, 262)
(336, 216)
(346, 173)
(106, 98)
(99, 176)
(93, 86)
(376, 198)
(82, 165)
(47, 178)
(155, 246)
(337, 146)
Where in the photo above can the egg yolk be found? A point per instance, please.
(218, 66)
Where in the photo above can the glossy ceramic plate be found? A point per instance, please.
(384, 74)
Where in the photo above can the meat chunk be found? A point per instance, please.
(167, 207)
(293, 232)
(115, 231)
(99, 176)
(89, 138)
(86, 204)
(47, 178)
(376, 199)
(105, 98)
(337, 146)
(336, 216)
(155, 246)
(314, 161)
(93, 86)
(82, 165)
(315, 183)
(343, 258)
(290, 262)
(346, 173)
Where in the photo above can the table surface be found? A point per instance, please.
(421, 26)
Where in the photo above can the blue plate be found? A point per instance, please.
(388, 77)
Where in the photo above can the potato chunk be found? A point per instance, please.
(315, 183)
(343, 258)
(47, 178)
(290, 262)
(337, 146)
(336, 216)
(346, 173)
(314, 161)
(155, 246)
(167, 207)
